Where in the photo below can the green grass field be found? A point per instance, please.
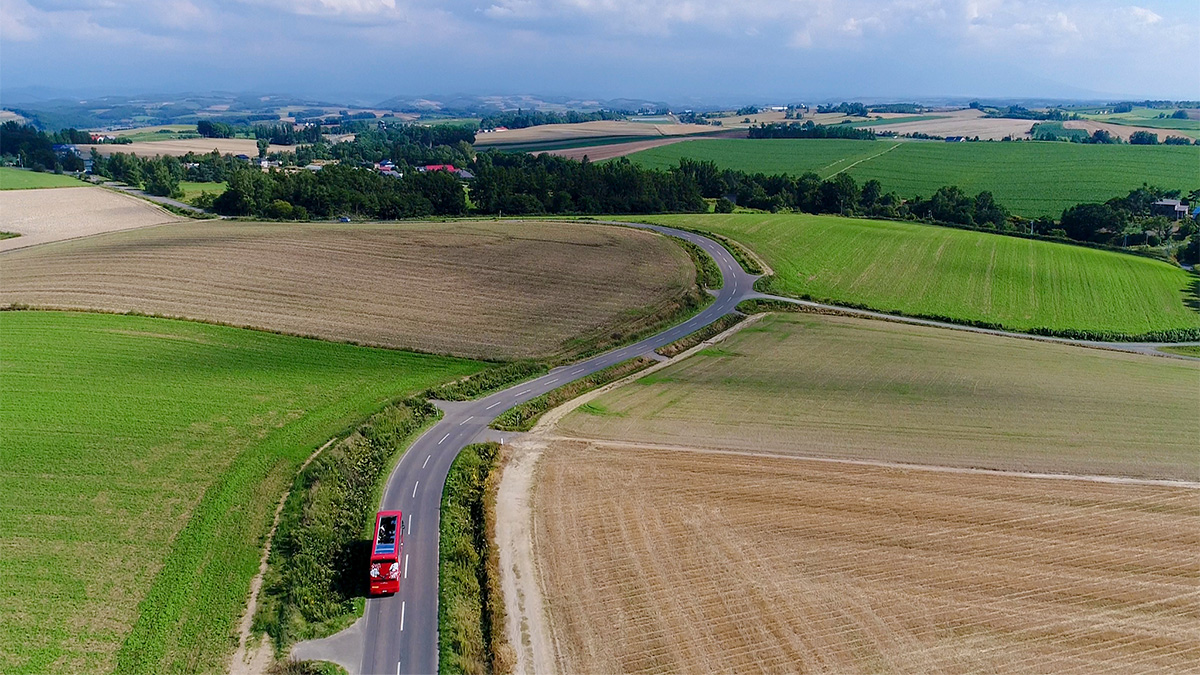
(875, 390)
(141, 462)
(193, 189)
(1030, 179)
(963, 275)
(20, 179)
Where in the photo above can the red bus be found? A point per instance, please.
(385, 552)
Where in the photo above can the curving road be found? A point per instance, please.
(399, 634)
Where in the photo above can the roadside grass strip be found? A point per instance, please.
(522, 417)
(314, 585)
(471, 612)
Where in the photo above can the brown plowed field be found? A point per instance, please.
(476, 288)
(676, 561)
(46, 215)
(599, 153)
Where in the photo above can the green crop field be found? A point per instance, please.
(20, 179)
(962, 275)
(192, 189)
(1029, 178)
(1149, 117)
(141, 460)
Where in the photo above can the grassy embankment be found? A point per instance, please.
(843, 387)
(20, 179)
(314, 584)
(157, 450)
(1030, 179)
(470, 606)
(965, 276)
(525, 415)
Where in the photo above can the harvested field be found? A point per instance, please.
(559, 132)
(676, 561)
(599, 153)
(870, 390)
(178, 148)
(499, 290)
(969, 123)
(1124, 131)
(46, 215)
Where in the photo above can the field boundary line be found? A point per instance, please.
(864, 159)
(551, 417)
(882, 464)
(239, 662)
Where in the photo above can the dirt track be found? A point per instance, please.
(687, 562)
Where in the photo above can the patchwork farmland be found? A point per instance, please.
(961, 275)
(499, 290)
(1030, 179)
(141, 461)
(807, 494)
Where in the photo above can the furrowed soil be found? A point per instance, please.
(45, 215)
(871, 390)
(499, 290)
(676, 561)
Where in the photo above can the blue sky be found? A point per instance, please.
(765, 50)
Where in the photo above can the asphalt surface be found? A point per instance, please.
(399, 634)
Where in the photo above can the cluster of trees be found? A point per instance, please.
(855, 109)
(748, 110)
(903, 108)
(533, 118)
(515, 183)
(1123, 221)
(808, 129)
(692, 117)
(339, 190)
(156, 175)
(839, 194)
(1150, 138)
(210, 129)
(1022, 113)
(25, 145)
(287, 134)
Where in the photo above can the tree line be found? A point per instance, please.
(521, 119)
(25, 145)
(808, 129)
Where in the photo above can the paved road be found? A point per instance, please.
(399, 634)
(154, 198)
